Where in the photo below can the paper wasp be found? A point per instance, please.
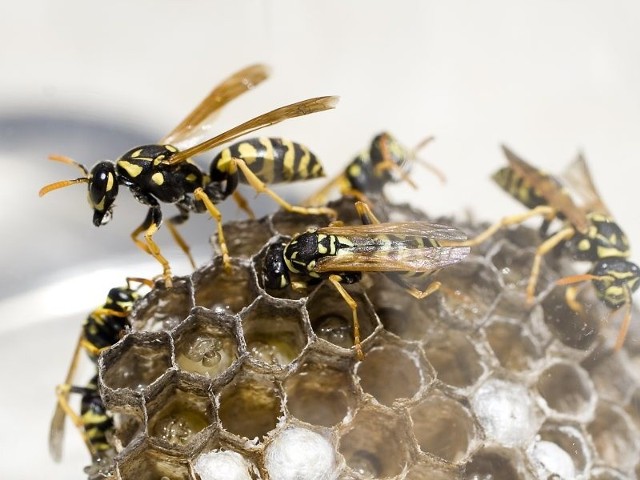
(165, 173)
(102, 328)
(385, 161)
(409, 253)
(589, 232)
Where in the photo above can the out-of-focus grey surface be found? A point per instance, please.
(91, 80)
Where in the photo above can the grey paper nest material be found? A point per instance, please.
(221, 379)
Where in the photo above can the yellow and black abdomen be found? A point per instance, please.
(273, 160)
(518, 187)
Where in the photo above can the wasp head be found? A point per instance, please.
(616, 279)
(103, 188)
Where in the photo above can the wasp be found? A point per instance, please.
(409, 253)
(165, 172)
(102, 328)
(385, 161)
(589, 232)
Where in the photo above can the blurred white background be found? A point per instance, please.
(93, 79)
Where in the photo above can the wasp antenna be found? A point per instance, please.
(570, 280)
(624, 327)
(69, 161)
(422, 143)
(64, 183)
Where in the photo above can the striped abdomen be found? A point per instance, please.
(273, 160)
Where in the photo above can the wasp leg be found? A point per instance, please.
(141, 281)
(172, 224)
(260, 187)
(542, 250)
(320, 197)
(366, 215)
(335, 281)
(62, 392)
(420, 294)
(199, 194)
(571, 297)
(389, 165)
(150, 227)
(542, 210)
(56, 431)
(243, 204)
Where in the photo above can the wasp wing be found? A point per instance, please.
(578, 178)
(206, 111)
(298, 109)
(394, 247)
(56, 433)
(198, 122)
(550, 189)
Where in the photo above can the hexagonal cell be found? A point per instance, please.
(495, 464)
(320, 394)
(455, 359)
(128, 427)
(513, 263)
(289, 224)
(443, 427)
(377, 444)
(469, 290)
(401, 313)
(163, 309)
(331, 317)
(614, 437)
(137, 361)
(560, 450)
(244, 238)
(250, 406)
(512, 345)
(612, 375)
(296, 453)
(210, 464)
(567, 389)
(431, 471)
(574, 329)
(206, 344)
(178, 413)
(274, 333)
(149, 463)
(506, 412)
(390, 373)
(217, 290)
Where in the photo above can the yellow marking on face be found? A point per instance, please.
(131, 168)
(110, 181)
(157, 178)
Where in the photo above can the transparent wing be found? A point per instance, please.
(578, 178)
(423, 259)
(305, 107)
(549, 188)
(394, 247)
(56, 433)
(198, 123)
(410, 230)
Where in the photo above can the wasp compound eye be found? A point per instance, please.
(103, 189)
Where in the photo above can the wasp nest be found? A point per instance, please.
(221, 379)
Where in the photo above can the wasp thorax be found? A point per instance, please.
(604, 239)
(303, 250)
(103, 188)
